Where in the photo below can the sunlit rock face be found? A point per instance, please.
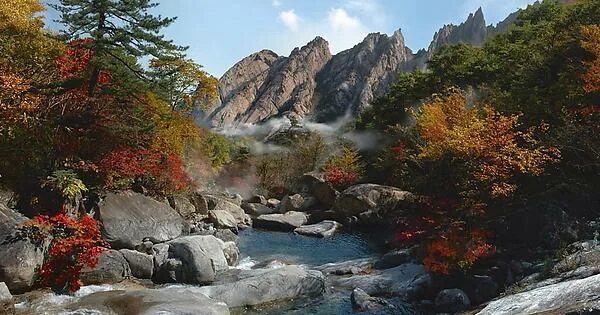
(313, 84)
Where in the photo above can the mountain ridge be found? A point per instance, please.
(312, 83)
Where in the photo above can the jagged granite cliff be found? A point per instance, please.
(311, 83)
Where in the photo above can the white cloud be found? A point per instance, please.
(290, 19)
(276, 3)
(339, 20)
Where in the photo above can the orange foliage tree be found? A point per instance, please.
(591, 43)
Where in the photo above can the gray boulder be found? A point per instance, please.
(408, 281)
(182, 205)
(9, 220)
(291, 203)
(315, 184)
(373, 202)
(321, 229)
(7, 304)
(484, 288)
(160, 254)
(227, 204)
(222, 219)
(202, 257)
(284, 222)
(112, 267)
(141, 265)
(226, 235)
(350, 267)
(394, 258)
(173, 300)
(363, 302)
(231, 252)
(452, 301)
(560, 298)
(128, 218)
(260, 199)
(259, 286)
(273, 203)
(18, 264)
(257, 209)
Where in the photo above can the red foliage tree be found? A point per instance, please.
(73, 245)
(163, 173)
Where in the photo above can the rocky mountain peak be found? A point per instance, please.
(472, 31)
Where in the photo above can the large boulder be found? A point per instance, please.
(394, 258)
(215, 202)
(19, 262)
(321, 229)
(257, 209)
(291, 203)
(316, 185)
(452, 301)
(128, 218)
(9, 219)
(350, 267)
(141, 264)
(170, 300)
(363, 302)
(183, 205)
(222, 219)
(202, 257)
(373, 203)
(283, 222)
(408, 281)
(7, 304)
(112, 267)
(259, 286)
(575, 296)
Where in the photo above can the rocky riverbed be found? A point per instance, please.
(213, 253)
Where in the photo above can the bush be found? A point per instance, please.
(345, 168)
(73, 245)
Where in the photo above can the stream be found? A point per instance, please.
(258, 248)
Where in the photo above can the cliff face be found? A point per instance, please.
(352, 78)
(312, 83)
(263, 85)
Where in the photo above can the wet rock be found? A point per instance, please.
(231, 252)
(160, 253)
(363, 302)
(372, 202)
(394, 258)
(222, 219)
(141, 265)
(259, 286)
(129, 218)
(452, 301)
(169, 300)
(291, 203)
(559, 298)
(408, 281)
(170, 271)
(284, 222)
(321, 229)
(353, 267)
(112, 267)
(202, 257)
(257, 209)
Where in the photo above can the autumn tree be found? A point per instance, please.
(118, 29)
(183, 84)
(591, 43)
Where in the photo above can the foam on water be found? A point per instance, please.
(245, 263)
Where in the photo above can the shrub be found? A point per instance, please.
(66, 183)
(344, 169)
(73, 245)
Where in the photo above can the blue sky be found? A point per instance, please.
(222, 32)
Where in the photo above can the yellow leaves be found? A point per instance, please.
(17, 106)
(591, 43)
(173, 130)
(20, 13)
(487, 142)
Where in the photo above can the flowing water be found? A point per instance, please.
(260, 248)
